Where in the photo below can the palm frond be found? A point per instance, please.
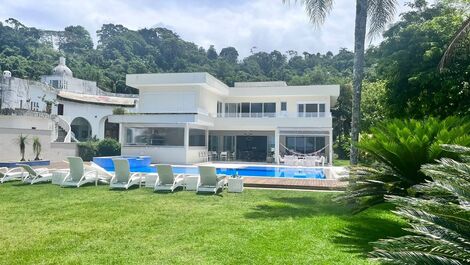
(454, 44)
(380, 13)
(439, 219)
(317, 10)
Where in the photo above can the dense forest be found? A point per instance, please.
(402, 77)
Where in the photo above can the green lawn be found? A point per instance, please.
(340, 163)
(45, 224)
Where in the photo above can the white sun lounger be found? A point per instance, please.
(36, 175)
(77, 175)
(209, 181)
(167, 180)
(123, 178)
(16, 173)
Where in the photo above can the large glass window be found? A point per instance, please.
(232, 109)
(219, 108)
(311, 110)
(306, 144)
(256, 109)
(269, 109)
(245, 109)
(155, 136)
(197, 137)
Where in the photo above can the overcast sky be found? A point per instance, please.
(265, 24)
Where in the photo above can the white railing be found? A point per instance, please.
(276, 115)
(60, 122)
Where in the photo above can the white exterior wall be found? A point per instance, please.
(25, 94)
(12, 126)
(168, 100)
(208, 101)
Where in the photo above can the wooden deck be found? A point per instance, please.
(311, 184)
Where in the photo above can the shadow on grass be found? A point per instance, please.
(287, 207)
(359, 231)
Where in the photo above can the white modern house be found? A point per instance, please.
(181, 117)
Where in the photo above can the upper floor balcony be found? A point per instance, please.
(275, 115)
(271, 121)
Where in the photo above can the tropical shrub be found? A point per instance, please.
(87, 150)
(398, 149)
(22, 141)
(108, 147)
(119, 111)
(439, 218)
(37, 147)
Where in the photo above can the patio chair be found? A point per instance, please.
(77, 175)
(123, 178)
(209, 181)
(35, 175)
(167, 180)
(311, 161)
(16, 173)
(223, 156)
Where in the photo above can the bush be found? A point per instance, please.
(87, 150)
(399, 149)
(108, 147)
(439, 218)
(119, 111)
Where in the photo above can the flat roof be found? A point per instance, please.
(201, 79)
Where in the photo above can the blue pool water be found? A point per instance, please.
(142, 164)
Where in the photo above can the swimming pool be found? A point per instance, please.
(142, 164)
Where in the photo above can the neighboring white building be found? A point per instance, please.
(182, 116)
(59, 110)
(76, 105)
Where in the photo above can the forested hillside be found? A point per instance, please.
(402, 77)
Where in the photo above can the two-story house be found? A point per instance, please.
(181, 117)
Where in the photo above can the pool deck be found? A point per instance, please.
(260, 182)
(309, 184)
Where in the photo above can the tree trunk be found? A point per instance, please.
(359, 43)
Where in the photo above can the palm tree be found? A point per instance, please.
(459, 38)
(22, 140)
(378, 13)
(37, 147)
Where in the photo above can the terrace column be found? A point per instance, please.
(330, 147)
(186, 137)
(207, 140)
(276, 146)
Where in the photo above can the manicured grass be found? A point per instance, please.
(340, 163)
(46, 224)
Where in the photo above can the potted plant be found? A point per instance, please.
(37, 147)
(22, 140)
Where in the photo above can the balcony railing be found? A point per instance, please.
(276, 115)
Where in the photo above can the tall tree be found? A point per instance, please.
(76, 40)
(378, 13)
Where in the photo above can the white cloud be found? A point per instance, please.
(266, 24)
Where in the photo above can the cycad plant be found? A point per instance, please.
(22, 140)
(37, 147)
(439, 218)
(397, 150)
